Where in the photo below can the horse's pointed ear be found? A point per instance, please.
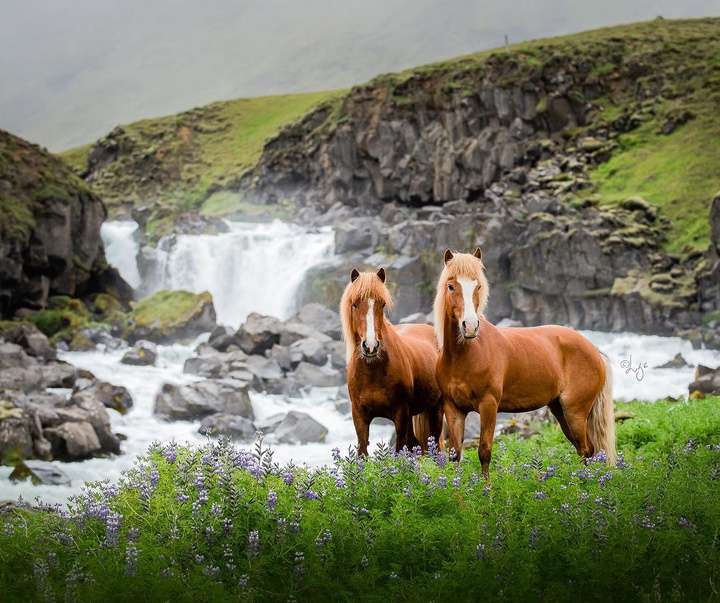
(381, 275)
(478, 253)
(353, 275)
(448, 256)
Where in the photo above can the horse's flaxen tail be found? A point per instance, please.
(601, 422)
(422, 428)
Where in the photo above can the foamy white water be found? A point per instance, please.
(121, 249)
(253, 267)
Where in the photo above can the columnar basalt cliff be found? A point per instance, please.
(50, 222)
(499, 150)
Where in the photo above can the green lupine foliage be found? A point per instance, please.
(218, 523)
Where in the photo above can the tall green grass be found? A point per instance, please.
(225, 524)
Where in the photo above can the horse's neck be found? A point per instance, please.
(452, 348)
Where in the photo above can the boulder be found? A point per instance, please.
(112, 396)
(299, 428)
(222, 338)
(294, 331)
(59, 374)
(16, 429)
(32, 340)
(73, 441)
(234, 426)
(40, 473)
(143, 353)
(198, 400)
(309, 350)
(269, 425)
(267, 374)
(707, 380)
(92, 410)
(319, 317)
(206, 366)
(23, 379)
(168, 316)
(311, 375)
(258, 333)
(677, 362)
(13, 356)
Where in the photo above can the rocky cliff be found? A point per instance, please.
(49, 230)
(503, 150)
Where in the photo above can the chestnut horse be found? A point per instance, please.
(391, 369)
(489, 369)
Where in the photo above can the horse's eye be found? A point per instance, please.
(451, 288)
(383, 304)
(354, 306)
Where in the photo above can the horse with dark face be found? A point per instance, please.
(391, 369)
(487, 369)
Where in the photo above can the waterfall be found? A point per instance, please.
(121, 249)
(251, 268)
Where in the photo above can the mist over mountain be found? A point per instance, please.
(72, 70)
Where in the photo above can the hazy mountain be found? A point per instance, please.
(71, 70)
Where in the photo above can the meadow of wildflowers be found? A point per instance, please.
(221, 523)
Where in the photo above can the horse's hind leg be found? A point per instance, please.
(574, 425)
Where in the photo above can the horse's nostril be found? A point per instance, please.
(464, 326)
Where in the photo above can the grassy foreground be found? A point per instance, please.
(226, 524)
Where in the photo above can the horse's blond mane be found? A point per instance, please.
(366, 286)
(462, 265)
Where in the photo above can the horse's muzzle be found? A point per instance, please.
(469, 334)
(370, 352)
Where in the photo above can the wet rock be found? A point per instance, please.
(73, 441)
(59, 374)
(311, 375)
(258, 333)
(319, 317)
(92, 410)
(40, 473)
(309, 350)
(294, 331)
(267, 374)
(16, 441)
(23, 379)
(198, 400)
(677, 362)
(234, 426)
(270, 424)
(707, 380)
(222, 338)
(13, 356)
(143, 353)
(299, 428)
(32, 340)
(112, 396)
(206, 366)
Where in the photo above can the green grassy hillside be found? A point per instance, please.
(187, 157)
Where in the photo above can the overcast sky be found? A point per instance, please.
(71, 70)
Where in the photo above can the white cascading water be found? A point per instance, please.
(251, 268)
(268, 262)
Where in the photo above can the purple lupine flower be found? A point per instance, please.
(215, 510)
(480, 552)
(565, 508)
(441, 459)
(539, 495)
(294, 527)
(432, 447)
(312, 495)
(599, 501)
(425, 479)
(340, 483)
(364, 561)
(272, 498)
(299, 564)
(199, 559)
(685, 523)
(182, 498)
(456, 482)
(474, 479)
(417, 452)
(407, 493)
(442, 482)
(227, 526)
(486, 491)
(603, 479)
(112, 529)
(254, 543)
(690, 446)
(336, 454)
(584, 496)
(288, 476)
(131, 560)
(244, 581)
(211, 571)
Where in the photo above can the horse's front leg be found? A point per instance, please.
(456, 429)
(362, 429)
(488, 409)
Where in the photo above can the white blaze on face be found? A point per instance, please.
(370, 340)
(470, 317)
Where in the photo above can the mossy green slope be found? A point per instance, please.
(185, 158)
